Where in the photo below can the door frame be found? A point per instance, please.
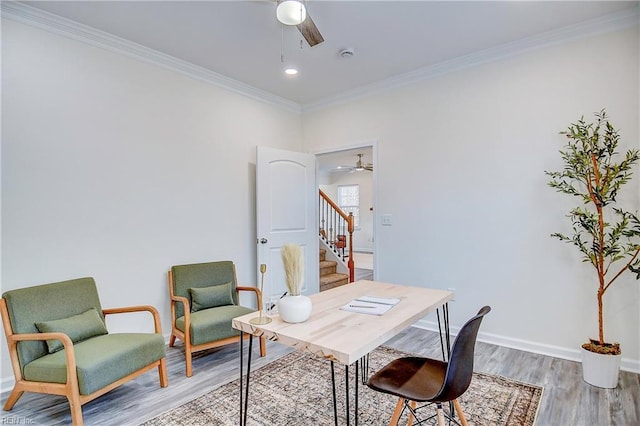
(373, 144)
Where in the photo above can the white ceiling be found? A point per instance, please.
(243, 41)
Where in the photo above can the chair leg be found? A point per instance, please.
(458, 407)
(397, 412)
(14, 396)
(162, 372)
(76, 410)
(440, 415)
(187, 355)
(172, 340)
(413, 406)
(263, 346)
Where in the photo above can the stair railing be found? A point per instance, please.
(336, 229)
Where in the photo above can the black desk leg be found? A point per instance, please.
(364, 364)
(446, 344)
(243, 410)
(241, 382)
(346, 389)
(356, 380)
(335, 402)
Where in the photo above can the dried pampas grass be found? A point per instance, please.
(293, 262)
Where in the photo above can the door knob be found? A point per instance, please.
(263, 241)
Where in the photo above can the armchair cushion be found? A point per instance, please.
(78, 327)
(200, 275)
(101, 360)
(31, 305)
(210, 297)
(213, 324)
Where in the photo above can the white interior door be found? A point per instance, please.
(286, 200)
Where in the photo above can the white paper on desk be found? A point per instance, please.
(370, 305)
(380, 300)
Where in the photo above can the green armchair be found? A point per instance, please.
(204, 300)
(59, 344)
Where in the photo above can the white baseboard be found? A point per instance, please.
(627, 364)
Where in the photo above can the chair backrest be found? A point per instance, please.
(200, 275)
(460, 366)
(47, 302)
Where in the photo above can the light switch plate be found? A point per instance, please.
(386, 220)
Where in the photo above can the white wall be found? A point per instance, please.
(461, 162)
(118, 169)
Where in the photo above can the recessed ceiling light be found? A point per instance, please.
(291, 71)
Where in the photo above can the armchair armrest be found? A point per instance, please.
(183, 300)
(66, 340)
(67, 344)
(186, 309)
(142, 308)
(256, 291)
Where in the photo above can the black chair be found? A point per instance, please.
(417, 379)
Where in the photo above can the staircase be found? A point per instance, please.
(328, 276)
(336, 230)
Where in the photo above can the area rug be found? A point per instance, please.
(296, 390)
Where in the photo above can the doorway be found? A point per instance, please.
(351, 166)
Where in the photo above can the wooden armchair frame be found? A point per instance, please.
(71, 388)
(189, 348)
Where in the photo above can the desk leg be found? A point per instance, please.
(243, 410)
(365, 369)
(446, 344)
(335, 402)
(356, 380)
(346, 391)
(241, 382)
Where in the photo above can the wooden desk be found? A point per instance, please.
(345, 336)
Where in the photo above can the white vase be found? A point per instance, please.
(600, 370)
(294, 309)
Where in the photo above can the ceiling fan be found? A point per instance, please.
(294, 12)
(358, 167)
(363, 166)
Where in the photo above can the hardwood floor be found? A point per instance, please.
(566, 400)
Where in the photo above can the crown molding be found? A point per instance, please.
(605, 24)
(53, 23)
(32, 16)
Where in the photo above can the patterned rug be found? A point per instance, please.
(296, 390)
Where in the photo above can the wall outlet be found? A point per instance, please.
(386, 220)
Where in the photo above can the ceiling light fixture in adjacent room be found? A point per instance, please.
(291, 12)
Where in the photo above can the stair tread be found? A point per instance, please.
(341, 279)
(325, 263)
(330, 278)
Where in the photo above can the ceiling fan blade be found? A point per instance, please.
(310, 32)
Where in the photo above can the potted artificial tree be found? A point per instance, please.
(607, 236)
